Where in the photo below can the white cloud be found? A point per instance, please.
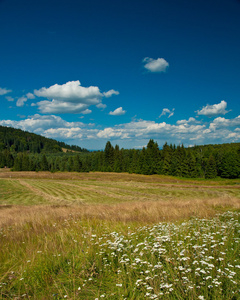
(221, 122)
(39, 122)
(110, 93)
(58, 107)
(30, 96)
(111, 133)
(101, 106)
(10, 99)
(71, 91)
(132, 134)
(143, 129)
(155, 65)
(21, 101)
(71, 97)
(66, 133)
(86, 111)
(4, 91)
(214, 110)
(117, 112)
(167, 111)
(190, 120)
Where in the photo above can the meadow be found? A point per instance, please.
(118, 236)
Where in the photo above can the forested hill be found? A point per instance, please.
(24, 151)
(17, 140)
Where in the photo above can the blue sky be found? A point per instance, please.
(85, 72)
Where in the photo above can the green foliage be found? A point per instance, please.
(211, 169)
(108, 157)
(230, 165)
(17, 140)
(74, 258)
(30, 152)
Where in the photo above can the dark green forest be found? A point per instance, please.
(23, 151)
(17, 140)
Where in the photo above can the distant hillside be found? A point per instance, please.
(17, 140)
(24, 151)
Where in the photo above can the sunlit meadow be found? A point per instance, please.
(99, 251)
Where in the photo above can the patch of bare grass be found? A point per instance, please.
(140, 212)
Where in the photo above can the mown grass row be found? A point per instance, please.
(78, 258)
(12, 192)
(43, 191)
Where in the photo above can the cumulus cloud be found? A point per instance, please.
(37, 122)
(30, 96)
(111, 133)
(221, 122)
(143, 129)
(155, 65)
(86, 111)
(4, 91)
(214, 110)
(71, 91)
(9, 98)
(132, 134)
(70, 97)
(167, 111)
(117, 112)
(101, 106)
(66, 133)
(21, 101)
(110, 93)
(58, 107)
(190, 120)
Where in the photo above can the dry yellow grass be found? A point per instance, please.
(110, 196)
(140, 212)
(51, 226)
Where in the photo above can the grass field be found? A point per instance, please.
(118, 236)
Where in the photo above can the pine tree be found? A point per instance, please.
(230, 166)
(77, 164)
(44, 163)
(152, 157)
(109, 157)
(167, 156)
(211, 168)
(117, 160)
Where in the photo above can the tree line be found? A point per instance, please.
(207, 161)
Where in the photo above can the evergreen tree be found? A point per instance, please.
(77, 164)
(117, 160)
(44, 163)
(108, 157)
(152, 157)
(230, 166)
(166, 156)
(25, 162)
(211, 168)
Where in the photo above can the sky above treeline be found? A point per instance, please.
(85, 72)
